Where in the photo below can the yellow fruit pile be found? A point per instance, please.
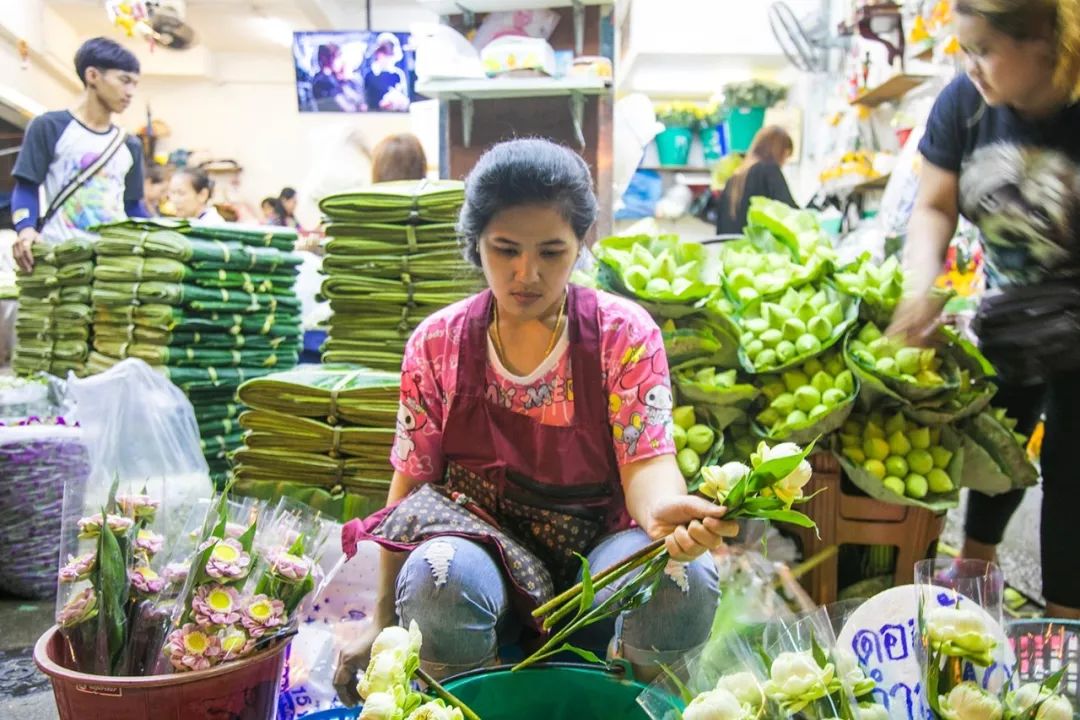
(908, 458)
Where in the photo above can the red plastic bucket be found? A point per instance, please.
(242, 690)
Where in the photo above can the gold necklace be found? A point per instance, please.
(554, 333)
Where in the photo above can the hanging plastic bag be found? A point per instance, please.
(141, 429)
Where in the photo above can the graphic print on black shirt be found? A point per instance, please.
(1019, 182)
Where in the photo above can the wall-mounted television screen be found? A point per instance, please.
(354, 71)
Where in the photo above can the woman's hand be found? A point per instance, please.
(353, 659)
(916, 319)
(690, 525)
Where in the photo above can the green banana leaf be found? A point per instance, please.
(271, 430)
(62, 253)
(199, 254)
(786, 223)
(24, 364)
(190, 296)
(421, 266)
(975, 390)
(167, 318)
(807, 432)
(75, 351)
(37, 297)
(29, 329)
(138, 269)
(1007, 456)
(876, 383)
(45, 278)
(702, 342)
(356, 498)
(343, 392)
(694, 392)
(851, 314)
(934, 502)
(195, 357)
(877, 306)
(280, 238)
(43, 314)
(217, 340)
(436, 201)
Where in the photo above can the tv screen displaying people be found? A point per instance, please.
(354, 71)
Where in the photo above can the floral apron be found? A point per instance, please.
(534, 494)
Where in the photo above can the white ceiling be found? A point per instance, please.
(253, 25)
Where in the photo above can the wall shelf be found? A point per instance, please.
(892, 89)
(502, 88)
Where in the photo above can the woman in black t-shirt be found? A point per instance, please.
(759, 174)
(1002, 148)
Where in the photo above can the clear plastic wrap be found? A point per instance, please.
(141, 429)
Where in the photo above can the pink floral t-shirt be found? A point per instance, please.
(635, 375)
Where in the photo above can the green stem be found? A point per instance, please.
(445, 695)
(600, 579)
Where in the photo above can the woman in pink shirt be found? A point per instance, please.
(535, 423)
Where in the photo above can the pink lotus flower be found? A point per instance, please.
(138, 507)
(145, 581)
(235, 643)
(289, 567)
(192, 648)
(234, 530)
(79, 608)
(216, 605)
(228, 560)
(149, 542)
(176, 572)
(90, 527)
(78, 568)
(263, 614)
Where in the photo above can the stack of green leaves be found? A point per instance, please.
(210, 306)
(392, 260)
(322, 435)
(53, 325)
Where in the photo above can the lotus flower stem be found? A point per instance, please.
(604, 578)
(445, 695)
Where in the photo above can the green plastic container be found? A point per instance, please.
(673, 145)
(550, 691)
(743, 124)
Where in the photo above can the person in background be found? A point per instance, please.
(89, 168)
(759, 174)
(189, 192)
(398, 157)
(1001, 148)
(328, 88)
(271, 211)
(385, 86)
(155, 189)
(287, 201)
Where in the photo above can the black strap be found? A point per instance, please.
(83, 177)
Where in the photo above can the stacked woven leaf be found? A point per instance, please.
(392, 260)
(210, 306)
(320, 434)
(53, 325)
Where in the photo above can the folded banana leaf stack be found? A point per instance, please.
(320, 434)
(209, 306)
(392, 260)
(53, 325)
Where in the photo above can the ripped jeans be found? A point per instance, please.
(459, 596)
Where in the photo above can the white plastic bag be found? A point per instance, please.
(140, 428)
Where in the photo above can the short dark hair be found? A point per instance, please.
(104, 54)
(199, 179)
(287, 193)
(529, 171)
(156, 174)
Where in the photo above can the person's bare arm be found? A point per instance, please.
(930, 229)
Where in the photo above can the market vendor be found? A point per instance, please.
(1001, 147)
(190, 190)
(535, 423)
(760, 174)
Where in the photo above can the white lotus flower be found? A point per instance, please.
(1056, 707)
(715, 705)
(796, 680)
(385, 671)
(395, 637)
(959, 632)
(851, 674)
(380, 706)
(968, 701)
(1025, 696)
(717, 482)
(788, 489)
(745, 687)
(873, 712)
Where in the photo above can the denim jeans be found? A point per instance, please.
(459, 596)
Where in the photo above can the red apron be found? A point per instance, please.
(535, 494)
